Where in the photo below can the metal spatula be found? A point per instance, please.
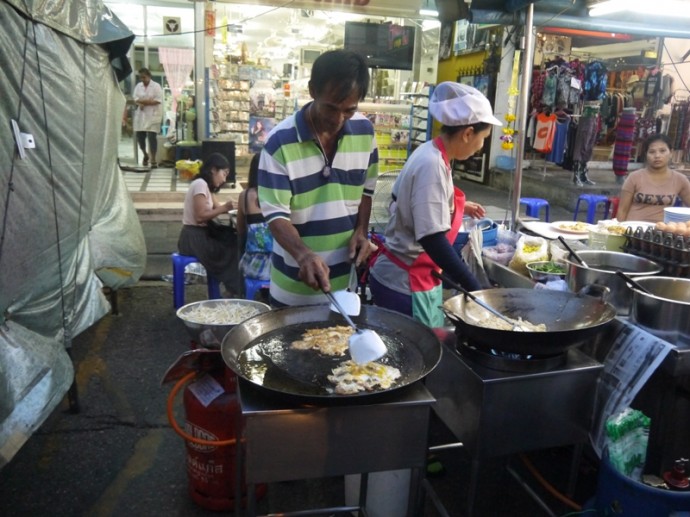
(516, 326)
(365, 345)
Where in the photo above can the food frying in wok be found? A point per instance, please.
(350, 378)
(332, 341)
(494, 322)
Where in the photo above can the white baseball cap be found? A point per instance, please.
(455, 104)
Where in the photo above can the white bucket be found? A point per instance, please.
(387, 492)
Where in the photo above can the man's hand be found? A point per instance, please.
(360, 248)
(313, 271)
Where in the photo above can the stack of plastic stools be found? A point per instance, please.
(593, 201)
(253, 286)
(533, 205)
(179, 262)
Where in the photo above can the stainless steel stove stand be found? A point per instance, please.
(285, 441)
(497, 413)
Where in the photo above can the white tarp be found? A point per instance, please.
(67, 224)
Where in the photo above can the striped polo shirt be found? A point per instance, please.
(323, 209)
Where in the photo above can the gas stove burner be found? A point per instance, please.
(508, 361)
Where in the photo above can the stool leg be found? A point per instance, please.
(250, 289)
(607, 207)
(546, 213)
(577, 209)
(591, 212)
(178, 284)
(213, 287)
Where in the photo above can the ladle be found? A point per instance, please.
(365, 345)
(445, 278)
(632, 282)
(572, 252)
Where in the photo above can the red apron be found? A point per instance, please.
(426, 290)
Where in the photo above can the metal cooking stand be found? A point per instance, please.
(499, 413)
(283, 440)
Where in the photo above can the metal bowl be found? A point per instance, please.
(543, 276)
(211, 334)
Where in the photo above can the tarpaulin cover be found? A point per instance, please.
(68, 227)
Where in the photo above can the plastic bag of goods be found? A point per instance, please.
(528, 249)
(560, 254)
(188, 169)
(501, 253)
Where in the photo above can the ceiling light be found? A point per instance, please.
(670, 8)
(428, 9)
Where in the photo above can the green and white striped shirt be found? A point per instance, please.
(323, 209)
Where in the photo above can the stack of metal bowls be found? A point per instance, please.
(197, 317)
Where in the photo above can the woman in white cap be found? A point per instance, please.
(428, 210)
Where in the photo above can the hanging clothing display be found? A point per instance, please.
(544, 132)
(585, 139)
(560, 140)
(625, 133)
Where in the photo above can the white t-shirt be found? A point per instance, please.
(196, 187)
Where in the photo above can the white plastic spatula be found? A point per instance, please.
(365, 345)
(349, 301)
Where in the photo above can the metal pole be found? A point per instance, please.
(525, 83)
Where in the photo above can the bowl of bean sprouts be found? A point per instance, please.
(208, 321)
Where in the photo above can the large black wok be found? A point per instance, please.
(258, 349)
(571, 319)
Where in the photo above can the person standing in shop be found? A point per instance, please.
(646, 192)
(148, 96)
(317, 175)
(428, 210)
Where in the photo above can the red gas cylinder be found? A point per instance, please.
(212, 417)
(212, 413)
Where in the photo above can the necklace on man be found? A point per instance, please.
(326, 171)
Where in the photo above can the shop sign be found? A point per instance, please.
(172, 25)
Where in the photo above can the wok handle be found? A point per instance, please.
(446, 278)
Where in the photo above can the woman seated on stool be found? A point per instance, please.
(254, 237)
(646, 192)
(217, 255)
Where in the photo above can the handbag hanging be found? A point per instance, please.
(221, 232)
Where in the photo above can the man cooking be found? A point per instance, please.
(317, 175)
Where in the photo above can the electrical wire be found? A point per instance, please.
(675, 67)
(244, 20)
(548, 486)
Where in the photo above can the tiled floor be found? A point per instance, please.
(162, 179)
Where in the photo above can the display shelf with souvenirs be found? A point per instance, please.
(392, 125)
(241, 105)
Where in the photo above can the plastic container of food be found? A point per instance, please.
(546, 270)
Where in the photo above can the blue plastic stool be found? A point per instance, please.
(179, 262)
(533, 205)
(253, 286)
(593, 201)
